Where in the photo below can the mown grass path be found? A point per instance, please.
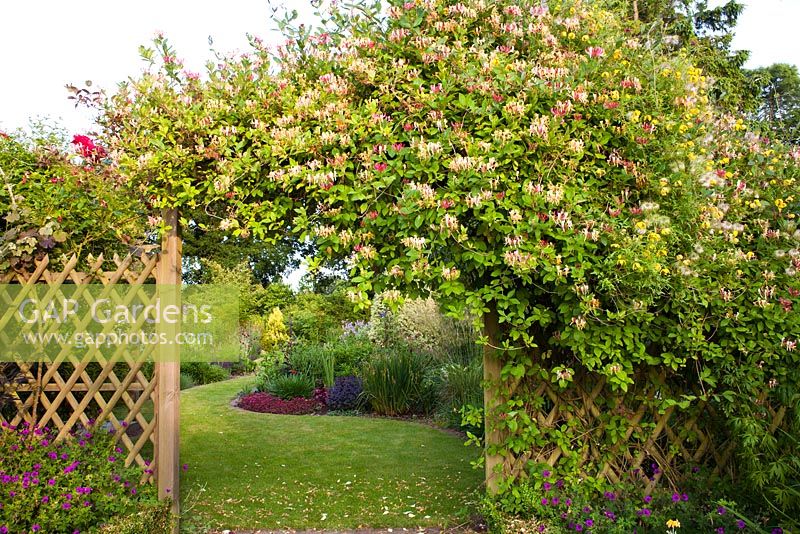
(262, 471)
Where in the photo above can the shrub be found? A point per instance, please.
(394, 382)
(345, 393)
(291, 386)
(348, 353)
(630, 505)
(274, 332)
(204, 372)
(74, 484)
(187, 381)
(266, 403)
(152, 518)
(459, 386)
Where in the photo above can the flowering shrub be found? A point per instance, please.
(54, 196)
(345, 393)
(560, 507)
(266, 403)
(537, 166)
(67, 486)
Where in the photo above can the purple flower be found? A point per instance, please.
(578, 528)
(647, 499)
(721, 510)
(589, 523)
(45, 499)
(676, 497)
(559, 483)
(546, 473)
(684, 497)
(51, 482)
(644, 512)
(112, 459)
(185, 467)
(545, 502)
(568, 502)
(3, 529)
(66, 506)
(547, 486)
(554, 500)
(587, 510)
(610, 496)
(35, 527)
(740, 524)
(777, 530)
(720, 530)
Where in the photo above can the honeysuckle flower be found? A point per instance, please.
(595, 51)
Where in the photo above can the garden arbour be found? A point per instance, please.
(539, 167)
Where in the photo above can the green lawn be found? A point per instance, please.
(251, 470)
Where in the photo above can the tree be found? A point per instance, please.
(705, 34)
(542, 169)
(779, 92)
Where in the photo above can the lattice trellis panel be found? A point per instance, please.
(670, 439)
(73, 390)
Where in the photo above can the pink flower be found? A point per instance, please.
(381, 166)
(595, 51)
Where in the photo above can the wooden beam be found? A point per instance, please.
(168, 371)
(492, 365)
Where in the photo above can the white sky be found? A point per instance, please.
(48, 43)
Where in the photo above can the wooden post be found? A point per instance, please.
(492, 364)
(168, 371)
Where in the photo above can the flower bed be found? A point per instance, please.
(70, 486)
(266, 403)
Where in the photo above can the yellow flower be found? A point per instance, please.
(673, 523)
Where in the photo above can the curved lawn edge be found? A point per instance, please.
(251, 470)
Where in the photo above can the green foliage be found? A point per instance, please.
(394, 382)
(187, 381)
(630, 505)
(266, 261)
(328, 368)
(204, 372)
(155, 518)
(82, 481)
(56, 199)
(460, 385)
(316, 318)
(274, 332)
(255, 300)
(291, 386)
(779, 108)
(348, 353)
